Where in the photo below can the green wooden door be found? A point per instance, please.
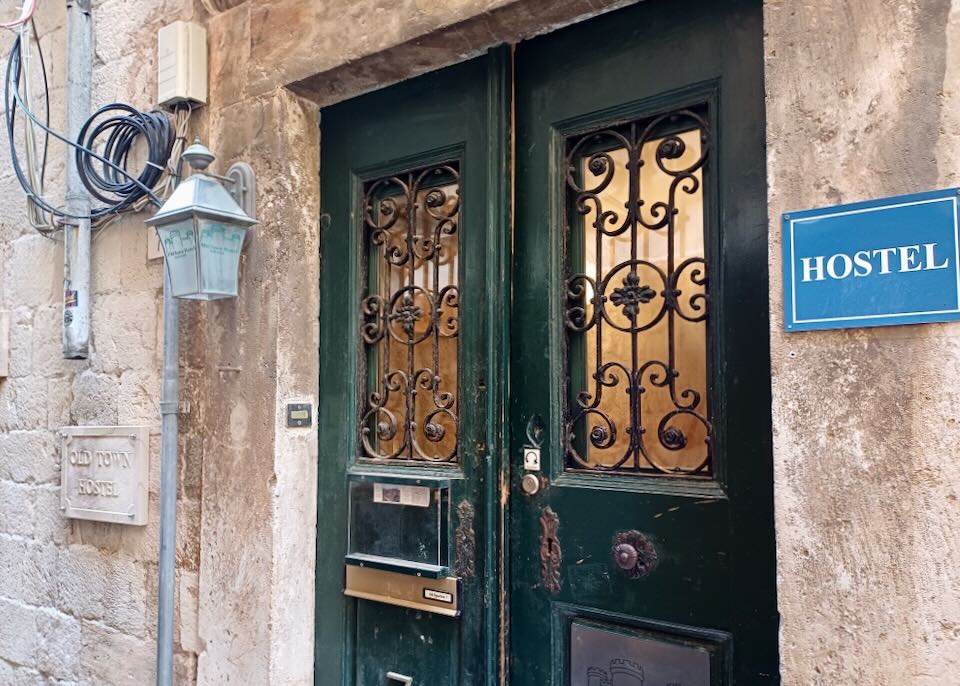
(411, 379)
(583, 405)
(642, 550)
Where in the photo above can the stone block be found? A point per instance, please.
(184, 668)
(19, 635)
(191, 465)
(59, 405)
(50, 16)
(53, 41)
(21, 343)
(154, 472)
(120, 259)
(131, 79)
(26, 570)
(29, 457)
(12, 675)
(98, 585)
(189, 597)
(229, 36)
(48, 343)
(188, 534)
(32, 277)
(139, 543)
(16, 508)
(112, 657)
(47, 518)
(58, 651)
(22, 404)
(124, 330)
(95, 399)
(31, 511)
(138, 398)
(121, 19)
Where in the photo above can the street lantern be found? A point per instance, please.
(202, 231)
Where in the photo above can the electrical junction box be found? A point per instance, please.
(182, 64)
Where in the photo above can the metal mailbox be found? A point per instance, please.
(398, 548)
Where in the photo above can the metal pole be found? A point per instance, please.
(169, 407)
(76, 234)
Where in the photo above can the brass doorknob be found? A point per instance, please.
(626, 556)
(530, 484)
(634, 554)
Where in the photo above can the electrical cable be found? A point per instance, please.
(26, 14)
(105, 176)
(109, 182)
(36, 170)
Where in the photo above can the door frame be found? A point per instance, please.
(498, 313)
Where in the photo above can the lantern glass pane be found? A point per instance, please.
(180, 252)
(220, 246)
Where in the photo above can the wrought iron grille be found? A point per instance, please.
(410, 315)
(637, 299)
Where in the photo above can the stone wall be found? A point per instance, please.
(862, 102)
(78, 599)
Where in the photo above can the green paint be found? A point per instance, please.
(715, 539)
(435, 118)
(715, 582)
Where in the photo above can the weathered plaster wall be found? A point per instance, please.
(78, 599)
(862, 101)
(259, 501)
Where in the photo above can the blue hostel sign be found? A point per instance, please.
(875, 263)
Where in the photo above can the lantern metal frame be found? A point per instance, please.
(202, 229)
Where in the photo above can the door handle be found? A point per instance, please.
(399, 679)
(530, 484)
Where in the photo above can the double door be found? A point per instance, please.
(544, 418)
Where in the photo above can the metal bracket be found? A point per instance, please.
(465, 566)
(243, 187)
(550, 553)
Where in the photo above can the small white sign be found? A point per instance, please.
(531, 459)
(439, 596)
(392, 494)
(104, 472)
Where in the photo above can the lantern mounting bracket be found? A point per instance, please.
(243, 187)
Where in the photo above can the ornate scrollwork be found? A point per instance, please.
(635, 295)
(411, 226)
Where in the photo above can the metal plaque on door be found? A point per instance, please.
(613, 656)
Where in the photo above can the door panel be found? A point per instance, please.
(639, 352)
(411, 239)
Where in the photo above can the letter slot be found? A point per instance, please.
(400, 541)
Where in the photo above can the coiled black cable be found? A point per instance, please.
(106, 182)
(106, 176)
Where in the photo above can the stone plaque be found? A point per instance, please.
(104, 472)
